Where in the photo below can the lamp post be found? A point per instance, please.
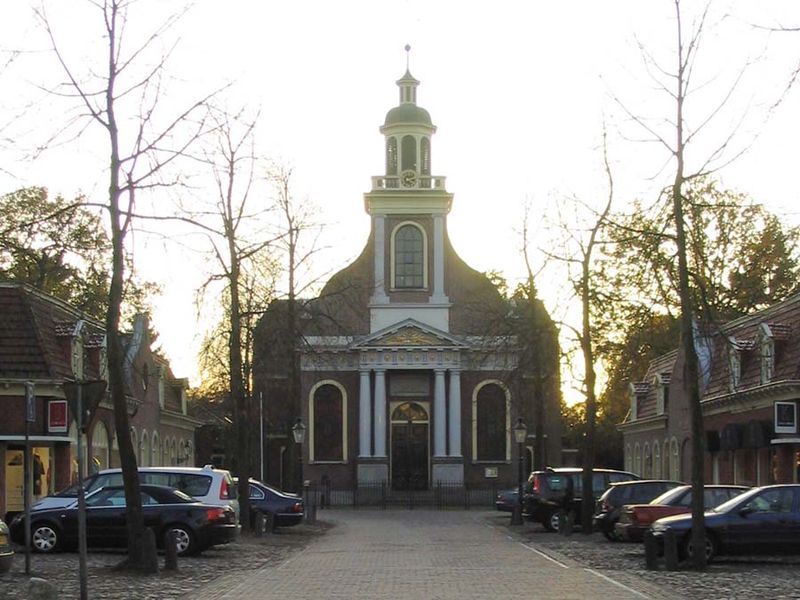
(520, 435)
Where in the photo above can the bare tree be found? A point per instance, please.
(137, 161)
(678, 83)
(580, 245)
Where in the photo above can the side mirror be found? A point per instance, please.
(746, 510)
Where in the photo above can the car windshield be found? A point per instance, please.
(668, 496)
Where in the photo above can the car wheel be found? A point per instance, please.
(710, 547)
(185, 543)
(44, 538)
(551, 523)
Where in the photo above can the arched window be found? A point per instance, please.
(628, 458)
(173, 452)
(408, 149)
(656, 460)
(391, 156)
(665, 458)
(100, 448)
(327, 418)
(425, 147)
(155, 450)
(409, 257)
(491, 427)
(674, 464)
(189, 453)
(637, 459)
(647, 466)
(115, 461)
(165, 452)
(144, 451)
(135, 443)
(181, 452)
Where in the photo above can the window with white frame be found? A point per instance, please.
(409, 257)
(767, 354)
(734, 365)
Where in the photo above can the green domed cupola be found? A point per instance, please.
(408, 130)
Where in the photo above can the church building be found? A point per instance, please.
(410, 368)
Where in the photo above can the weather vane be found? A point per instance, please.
(408, 53)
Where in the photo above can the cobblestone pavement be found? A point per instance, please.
(422, 554)
(245, 555)
(730, 577)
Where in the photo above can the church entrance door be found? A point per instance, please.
(409, 447)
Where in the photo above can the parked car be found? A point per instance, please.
(635, 519)
(763, 517)
(283, 508)
(543, 498)
(6, 552)
(506, 500)
(609, 505)
(206, 484)
(197, 525)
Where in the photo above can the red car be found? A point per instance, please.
(635, 519)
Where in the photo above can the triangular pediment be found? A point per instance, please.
(409, 334)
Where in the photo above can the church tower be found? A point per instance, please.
(409, 208)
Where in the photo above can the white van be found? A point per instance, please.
(207, 484)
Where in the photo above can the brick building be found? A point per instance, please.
(412, 366)
(46, 342)
(750, 386)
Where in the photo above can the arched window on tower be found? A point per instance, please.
(409, 256)
(425, 150)
(409, 153)
(328, 424)
(491, 426)
(391, 156)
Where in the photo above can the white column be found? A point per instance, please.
(439, 415)
(438, 259)
(380, 412)
(379, 293)
(455, 413)
(364, 416)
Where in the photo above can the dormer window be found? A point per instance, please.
(734, 366)
(637, 392)
(661, 386)
(409, 252)
(767, 351)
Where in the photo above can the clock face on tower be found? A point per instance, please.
(409, 178)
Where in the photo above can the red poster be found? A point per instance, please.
(57, 416)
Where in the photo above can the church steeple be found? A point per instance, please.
(408, 130)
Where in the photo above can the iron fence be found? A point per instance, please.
(440, 496)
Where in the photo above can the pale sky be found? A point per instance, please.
(517, 89)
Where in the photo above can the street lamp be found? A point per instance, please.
(299, 433)
(520, 435)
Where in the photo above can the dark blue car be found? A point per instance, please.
(760, 518)
(282, 508)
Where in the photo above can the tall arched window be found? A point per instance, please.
(647, 466)
(100, 448)
(637, 459)
(173, 452)
(408, 150)
(135, 443)
(628, 458)
(656, 460)
(144, 453)
(409, 257)
(425, 146)
(674, 463)
(155, 450)
(165, 452)
(491, 430)
(327, 414)
(391, 156)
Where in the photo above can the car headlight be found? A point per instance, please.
(658, 527)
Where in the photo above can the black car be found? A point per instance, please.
(763, 517)
(543, 498)
(282, 508)
(609, 506)
(196, 525)
(506, 500)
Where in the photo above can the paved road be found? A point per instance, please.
(421, 554)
